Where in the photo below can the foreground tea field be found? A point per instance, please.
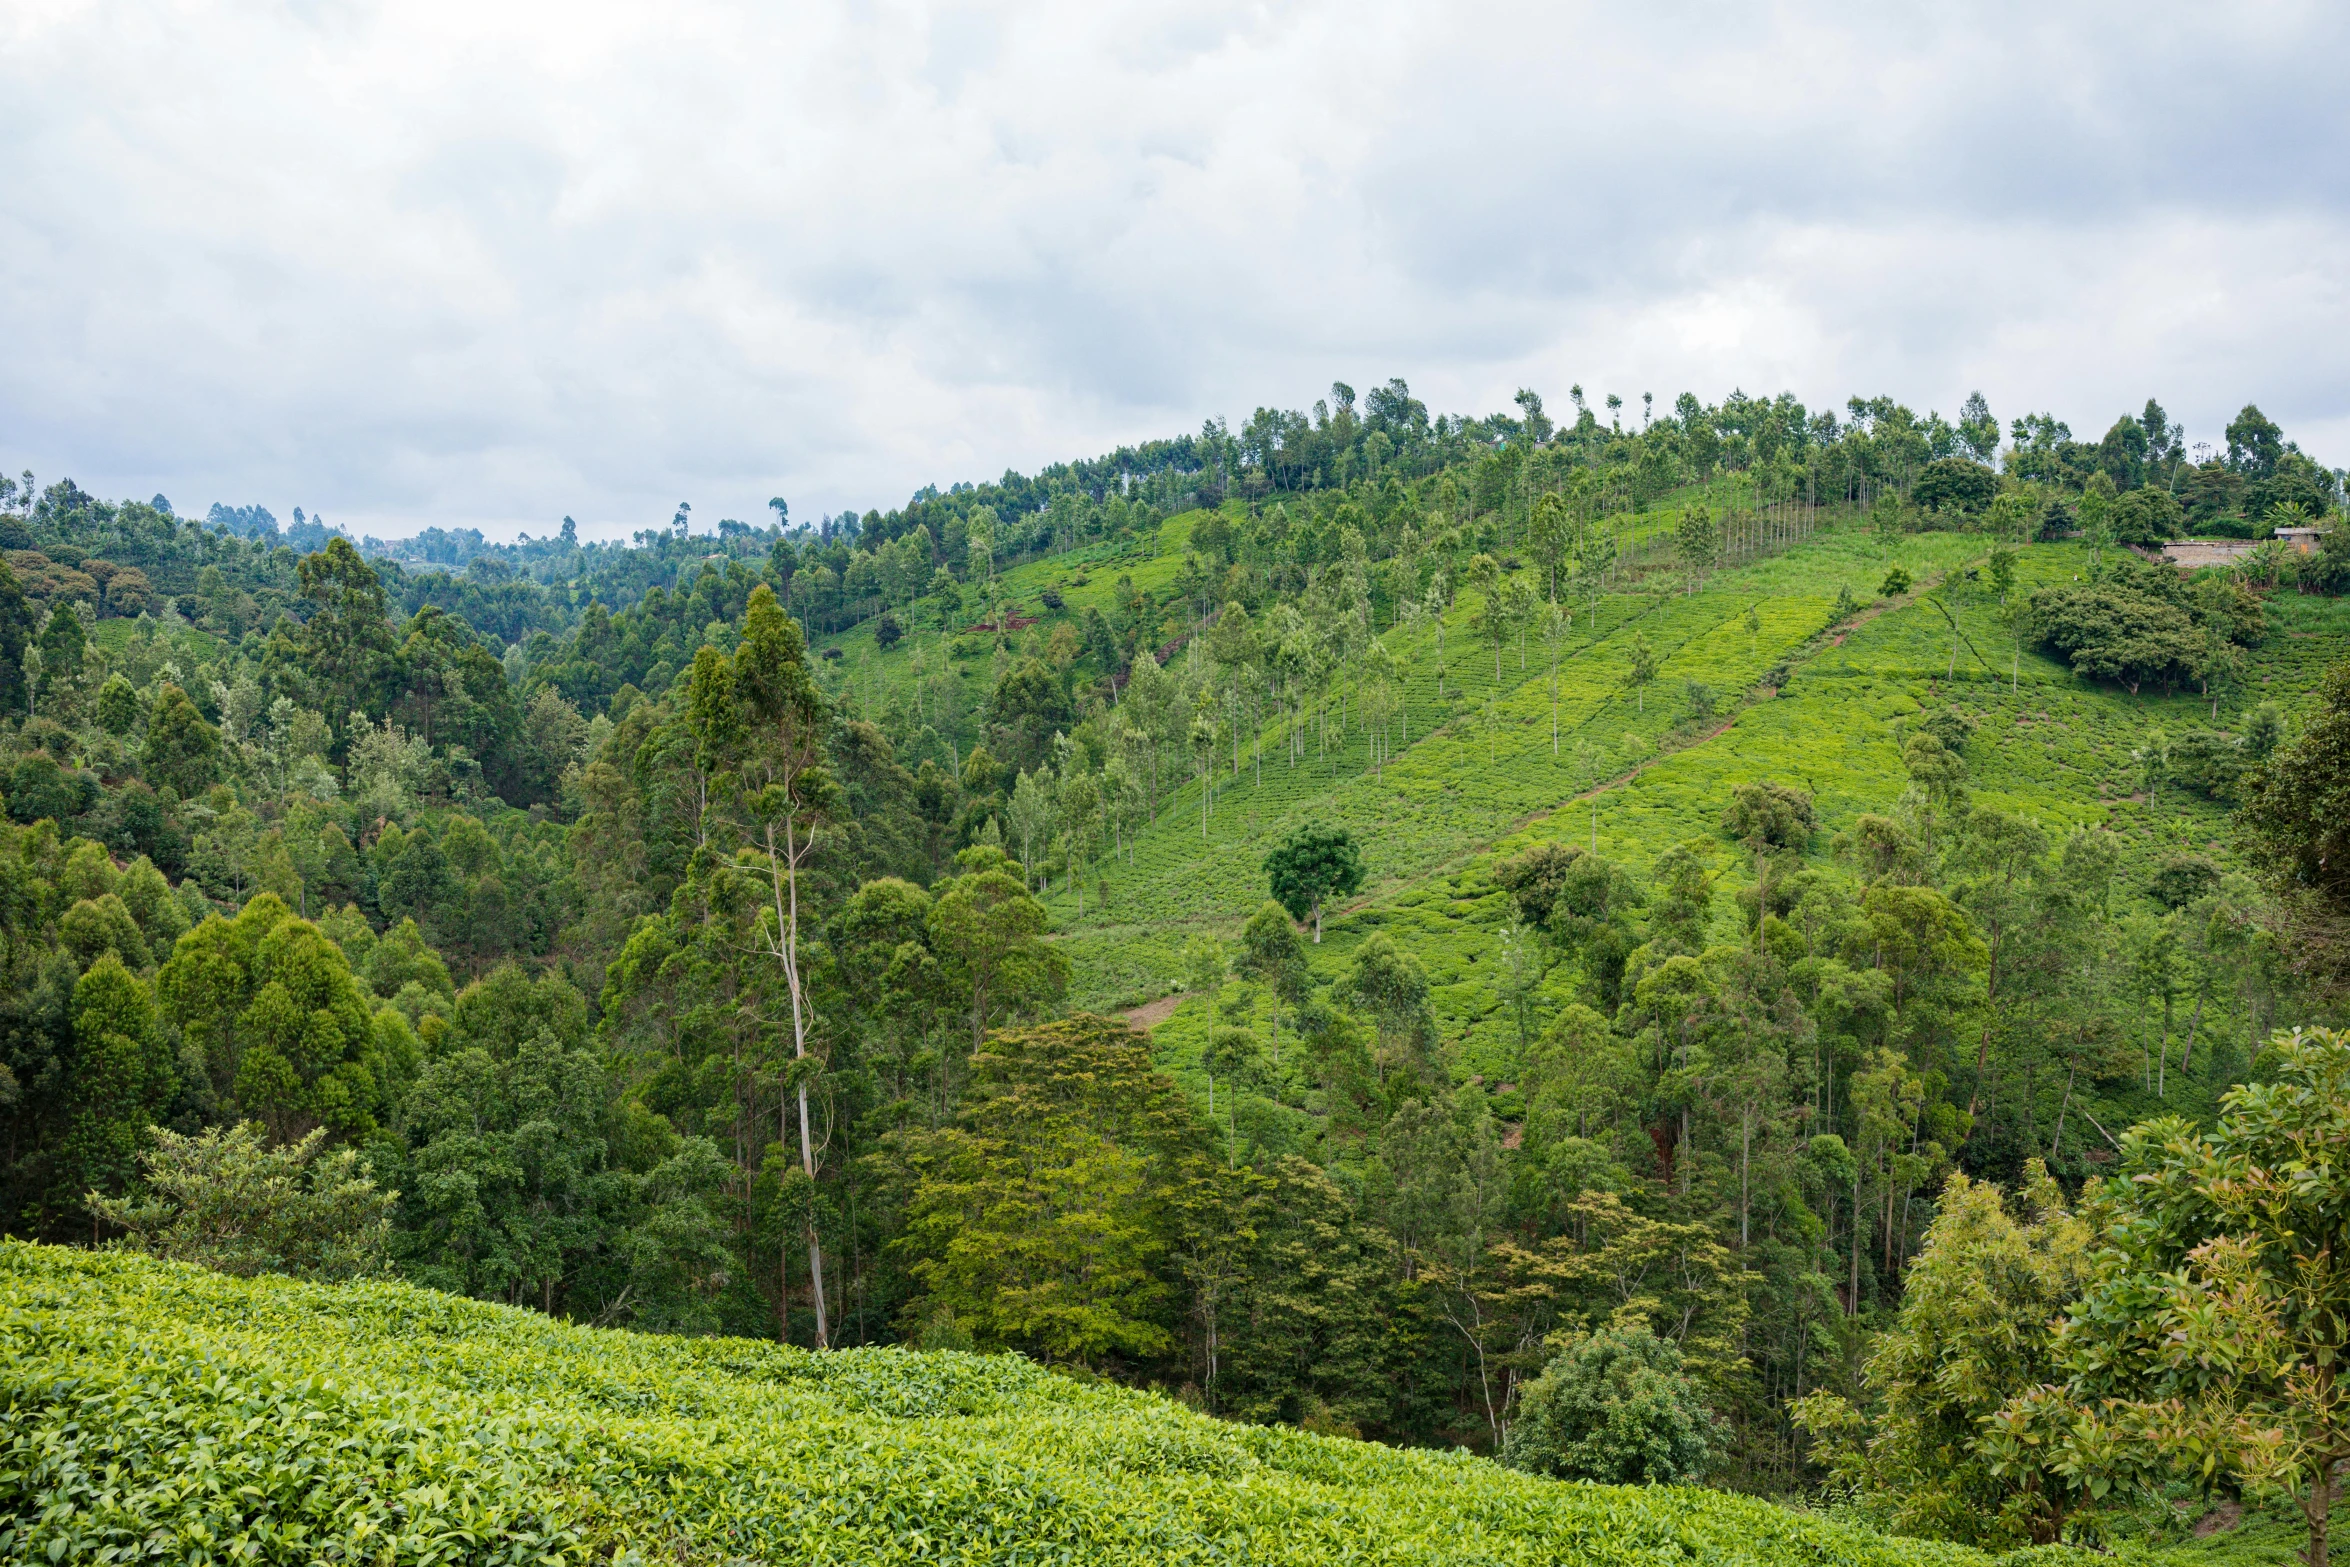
(155, 1412)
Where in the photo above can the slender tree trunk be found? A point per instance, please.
(1745, 1150)
(2063, 1105)
(2316, 1504)
(790, 937)
(1852, 1303)
(2162, 1066)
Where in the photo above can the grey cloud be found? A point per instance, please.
(488, 265)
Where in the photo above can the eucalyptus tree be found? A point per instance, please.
(1379, 696)
(1640, 674)
(1553, 625)
(1438, 598)
(1550, 536)
(1031, 815)
(1493, 620)
(758, 723)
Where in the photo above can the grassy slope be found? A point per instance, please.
(1087, 579)
(1480, 776)
(115, 635)
(156, 1405)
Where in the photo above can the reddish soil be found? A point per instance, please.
(1151, 1016)
(1013, 621)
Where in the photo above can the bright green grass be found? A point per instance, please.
(1481, 757)
(2048, 746)
(877, 676)
(115, 635)
(1482, 765)
(158, 1412)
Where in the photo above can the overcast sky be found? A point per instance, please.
(485, 264)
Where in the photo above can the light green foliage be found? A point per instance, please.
(227, 1199)
(1971, 1334)
(1615, 1407)
(268, 1419)
(148, 897)
(2211, 1344)
(282, 1025)
(399, 958)
(121, 1077)
(102, 924)
(1041, 1219)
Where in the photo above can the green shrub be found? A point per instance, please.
(1950, 726)
(2147, 517)
(2208, 762)
(2183, 879)
(226, 1200)
(154, 1412)
(1614, 1407)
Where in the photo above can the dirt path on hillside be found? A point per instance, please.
(1151, 1015)
(1821, 641)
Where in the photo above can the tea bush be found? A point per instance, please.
(157, 1412)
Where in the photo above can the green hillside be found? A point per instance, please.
(1771, 864)
(158, 1412)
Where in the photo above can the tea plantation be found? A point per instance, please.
(157, 1412)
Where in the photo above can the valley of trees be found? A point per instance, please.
(662, 964)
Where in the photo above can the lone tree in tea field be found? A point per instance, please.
(1310, 867)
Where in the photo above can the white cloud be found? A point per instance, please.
(489, 264)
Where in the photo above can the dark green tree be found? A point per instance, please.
(1614, 1407)
(183, 751)
(2296, 819)
(117, 707)
(1310, 867)
(1955, 484)
(2147, 517)
(123, 1076)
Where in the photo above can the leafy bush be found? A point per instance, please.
(2328, 571)
(1771, 813)
(2147, 517)
(2182, 879)
(227, 1201)
(2123, 629)
(2208, 762)
(1950, 726)
(1614, 1407)
(1897, 582)
(1954, 484)
(159, 1413)
(1972, 1332)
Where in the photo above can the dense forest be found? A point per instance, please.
(1334, 916)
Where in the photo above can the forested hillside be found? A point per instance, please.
(1578, 887)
